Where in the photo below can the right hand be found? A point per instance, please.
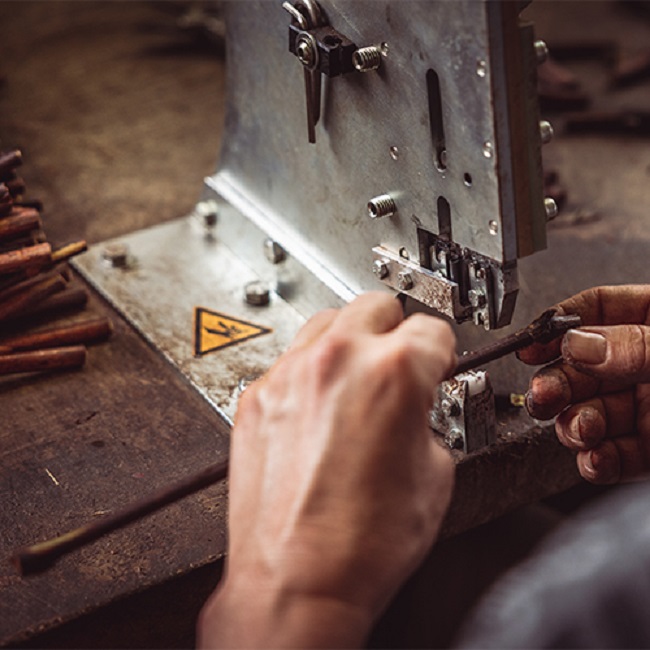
(337, 487)
(600, 387)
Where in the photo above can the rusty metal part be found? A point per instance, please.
(544, 329)
(39, 557)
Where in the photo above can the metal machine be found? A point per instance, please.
(368, 144)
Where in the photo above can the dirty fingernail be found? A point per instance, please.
(588, 466)
(584, 347)
(548, 394)
(574, 430)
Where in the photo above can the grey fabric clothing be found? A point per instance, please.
(588, 586)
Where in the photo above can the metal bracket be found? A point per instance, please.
(464, 412)
(428, 287)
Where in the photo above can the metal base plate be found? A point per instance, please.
(174, 269)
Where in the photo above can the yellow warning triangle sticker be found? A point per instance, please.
(215, 331)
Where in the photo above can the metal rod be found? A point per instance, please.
(39, 557)
(547, 327)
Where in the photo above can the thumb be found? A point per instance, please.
(616, 353)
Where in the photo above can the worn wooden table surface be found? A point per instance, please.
(119, 116)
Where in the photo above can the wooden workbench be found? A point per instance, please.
(119, 117)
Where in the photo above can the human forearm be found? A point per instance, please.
(251, 614)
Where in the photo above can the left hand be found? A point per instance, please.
(599, 388)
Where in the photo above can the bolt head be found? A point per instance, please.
(476, 298)
(404, 280)
(274, 252)
(305, 51)
(257, 293)
(449, 408)
(117, 255)
(550, 207)
(546, 131)
(480, 273)
(541, 51)
(380, 269)
(208, 212)
(455, 439)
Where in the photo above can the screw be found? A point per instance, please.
(306, 51)
(117, 255)
(449, 408)
(257, 293)
(274, 252)
(404, 280)
(366, 59)
(380, 269)
(208, 212)
(550, 206)
(541, 51)
(546, 132)
(476, 298)
(381, 206)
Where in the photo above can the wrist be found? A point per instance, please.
(251, 613)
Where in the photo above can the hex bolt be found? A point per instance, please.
(380, 269)
(274, 252)
(476, 298)
(381, 206)
(257, 293)
(550, 207)
(366, 59)
(546, 132)
(117, 255)
(404, 280)
(450, 408)
(541, 51)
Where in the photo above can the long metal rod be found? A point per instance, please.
(39, 557)
(547, 327)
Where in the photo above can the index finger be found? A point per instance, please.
(611, 305)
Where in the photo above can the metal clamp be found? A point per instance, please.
(464, 412)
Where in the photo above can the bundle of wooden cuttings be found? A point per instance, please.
(36, 287)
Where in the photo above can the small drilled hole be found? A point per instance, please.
(332, 41)
(467, 179)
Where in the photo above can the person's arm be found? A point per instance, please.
(337, 488)
(599, 388)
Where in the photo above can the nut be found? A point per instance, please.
(380, 269)
(257, 293)
(404, 280)
(117, 254)
(274, 252)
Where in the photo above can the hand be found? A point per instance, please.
(337, 488)
(600, 389)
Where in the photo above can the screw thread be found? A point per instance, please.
(381, 206)
(367, 58)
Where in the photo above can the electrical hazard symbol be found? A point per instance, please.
(215, 331)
